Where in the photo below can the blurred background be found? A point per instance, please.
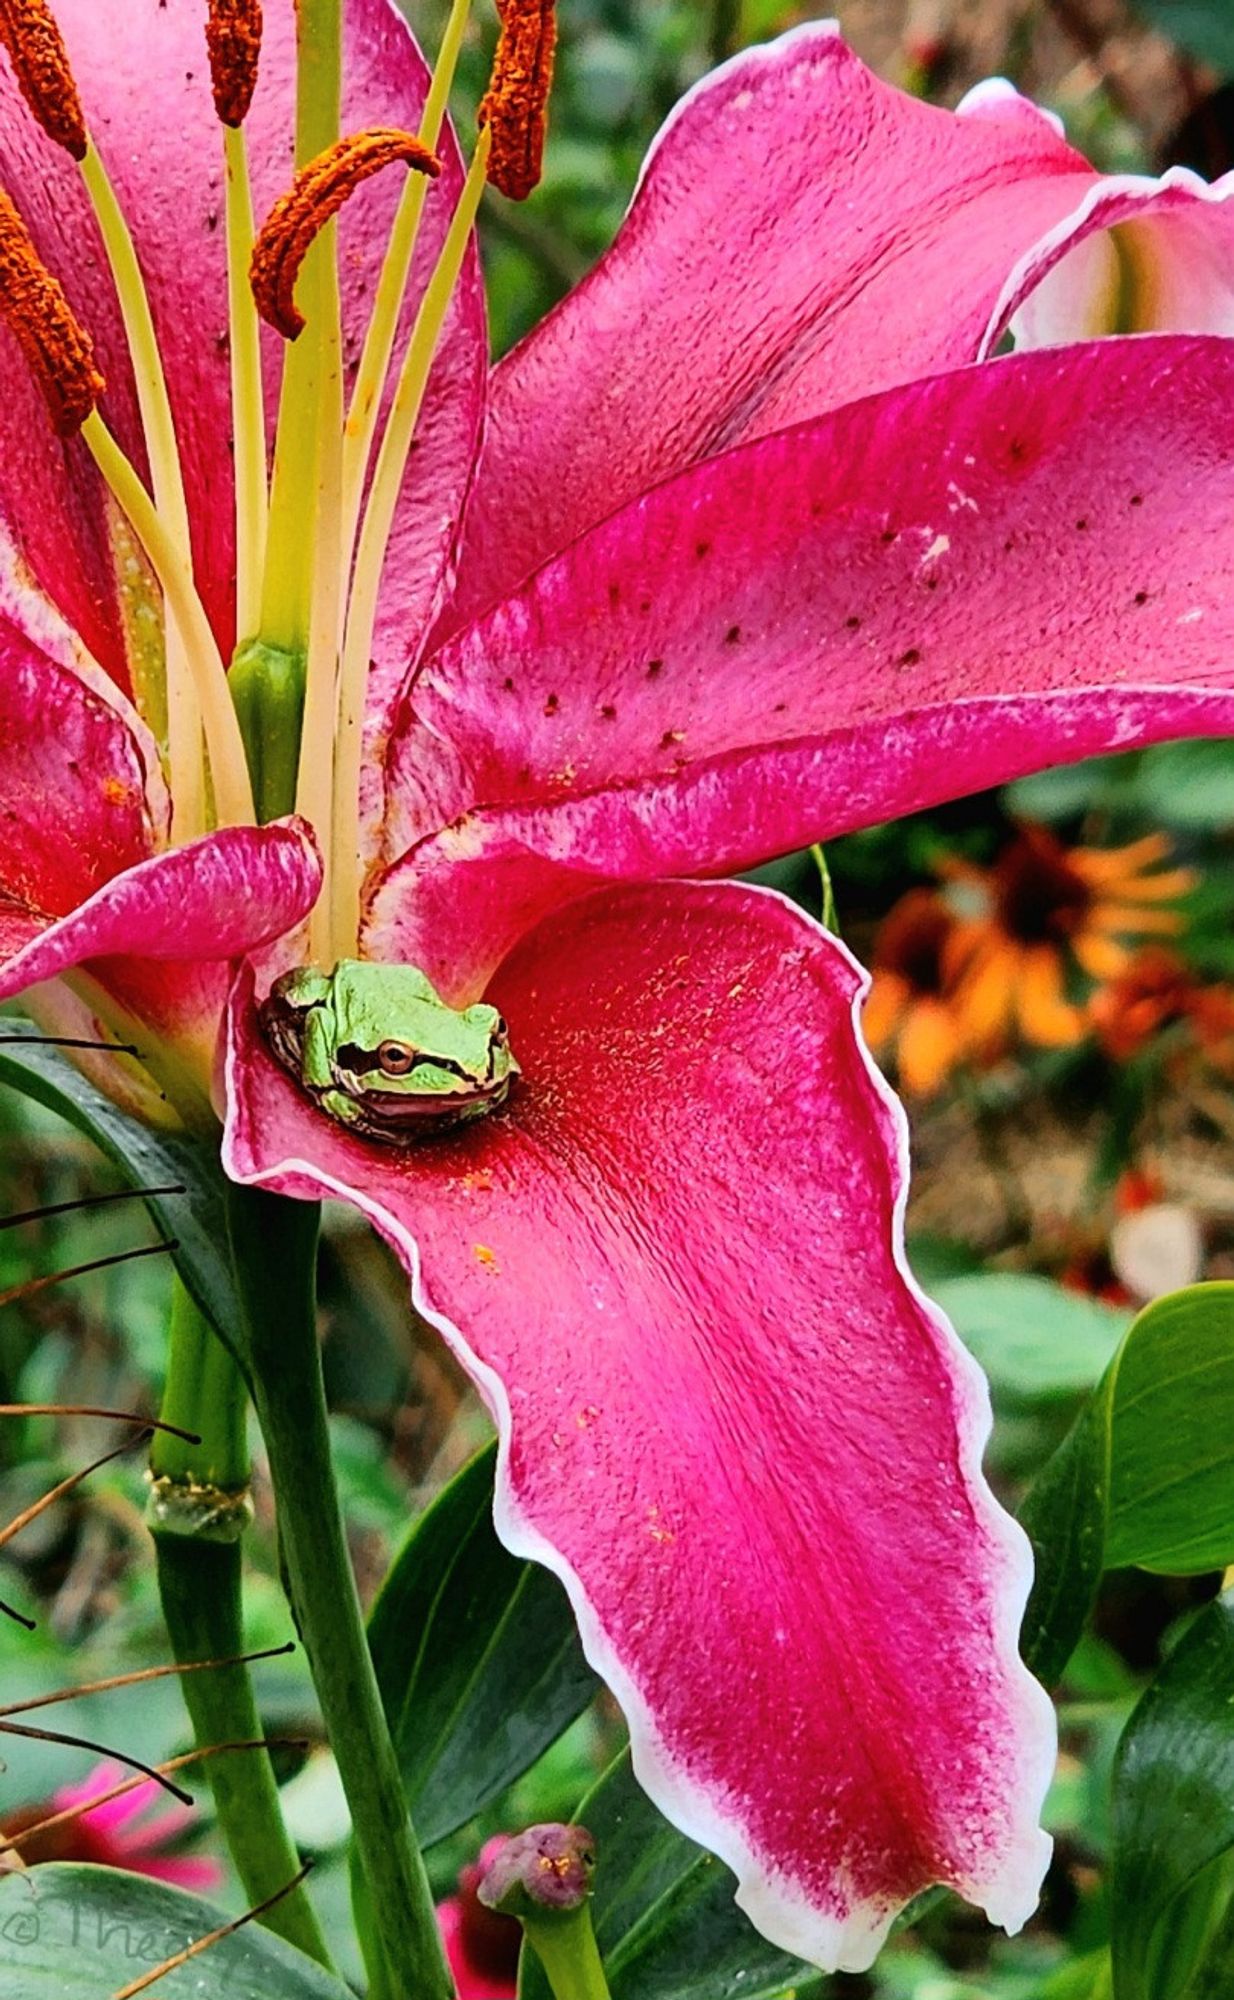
(1054, 989)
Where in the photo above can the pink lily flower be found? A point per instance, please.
(119, 1832)
(482, 1946)
(751, 555)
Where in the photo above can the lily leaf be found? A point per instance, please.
(1145, 1476)
(194, 1219)
(73, 1932)
(666, 1922)
(477, 1658)
(1173, 1813)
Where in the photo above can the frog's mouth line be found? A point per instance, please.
(387, 1109)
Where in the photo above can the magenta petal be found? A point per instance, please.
(803, 234)
(158, 937)
(142, 71)
(929, 592)
(729, 1421)
(73, 789)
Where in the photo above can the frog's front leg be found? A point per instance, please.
(317, 1054)
(340, 1106)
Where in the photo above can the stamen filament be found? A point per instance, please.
(247, 395)
(311, 398)
(187, 779)
(392, 285)
(346, 861)
(233, 795)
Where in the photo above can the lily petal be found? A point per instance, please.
(142, 72)
(926, 593)
(158, 937)
(73, 782)
(803, 234)
(729, 1420)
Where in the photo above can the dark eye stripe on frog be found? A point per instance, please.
(362, 1061)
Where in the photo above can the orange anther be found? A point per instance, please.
(317, 193)
(233, 38)
(41, 65)
(59, 351)
(515, 104)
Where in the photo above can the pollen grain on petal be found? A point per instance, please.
(317, 193)
(57, 348)
(41, 66)
(233, 39)
(515, 104)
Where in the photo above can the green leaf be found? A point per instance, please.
(71, 1932)
(1205, 28)
(666, 1922)
(194, 1220)
(1173, 1813)
(1146, 1474)
(1190, 785)
(1065, 1515)
(1036, 1341)
(477, 1658)
(1171, 1501)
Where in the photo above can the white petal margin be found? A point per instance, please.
(747, 62)
(771, 1900)
(1174, 271)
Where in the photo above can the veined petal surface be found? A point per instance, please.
(803, 234)
(926, 593)
(729, 1421)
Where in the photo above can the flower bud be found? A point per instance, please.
(547, 1868)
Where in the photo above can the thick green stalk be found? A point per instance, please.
(566, 1947)
(274, 1245)
(199, 1507)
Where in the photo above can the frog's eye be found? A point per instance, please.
(395, 1058)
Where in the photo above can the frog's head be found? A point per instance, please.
(378, 1048)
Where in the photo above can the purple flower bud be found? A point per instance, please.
(547, 1868)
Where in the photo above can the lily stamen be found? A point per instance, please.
(346, 864)
(233, 792)
(515, 105)
(392, 285)
(233, 41)
(40, 63)
(59, 351)
(317, 194)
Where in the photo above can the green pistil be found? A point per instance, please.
(267, 690)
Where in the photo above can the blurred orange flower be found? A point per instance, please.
(911, 1005)
(1042, 907)
(1156, 990)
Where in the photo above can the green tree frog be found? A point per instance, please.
(379, 1050)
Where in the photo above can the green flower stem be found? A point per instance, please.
(199, 1507)
(274, 1244)
(565, 1944)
